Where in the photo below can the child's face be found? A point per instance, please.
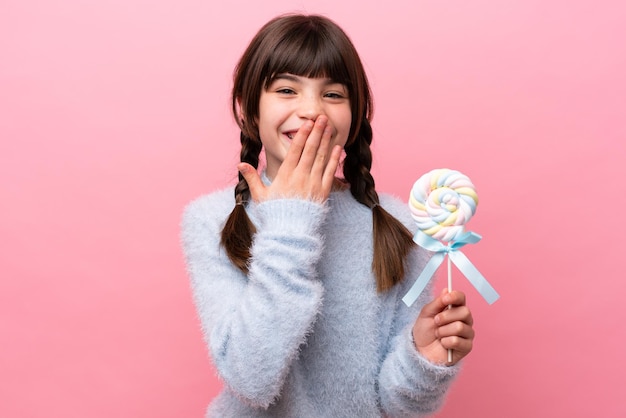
(291, 100)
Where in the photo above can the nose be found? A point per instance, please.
(310, 107)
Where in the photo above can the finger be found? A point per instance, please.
(454, 298)
(456, 313)
(255, 184)
(297, 145)
(436, 306)
(329, 173)
(458, 329)
(312, 144)
(457, 344)
(322, 155)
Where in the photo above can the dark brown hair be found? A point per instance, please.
(312, 46)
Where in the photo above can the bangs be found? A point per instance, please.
(307, 53)
(305, 46)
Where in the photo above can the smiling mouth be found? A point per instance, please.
(290, 135)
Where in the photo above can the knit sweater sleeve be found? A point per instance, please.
(409, 384)
(254, 325)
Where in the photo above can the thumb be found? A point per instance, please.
(433, 308)
(255, 184)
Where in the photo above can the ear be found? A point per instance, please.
(239, 112)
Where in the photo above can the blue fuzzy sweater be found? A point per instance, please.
(305, 333)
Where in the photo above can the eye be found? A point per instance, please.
(334, 95)
(336, 91)
(285, 90)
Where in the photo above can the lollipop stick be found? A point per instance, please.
(449, 290)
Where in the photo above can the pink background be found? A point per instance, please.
(113, 115)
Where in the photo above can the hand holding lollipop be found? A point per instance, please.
(441, 202)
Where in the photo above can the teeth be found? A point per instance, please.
(290, 135)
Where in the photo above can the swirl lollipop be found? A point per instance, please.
(441, 203)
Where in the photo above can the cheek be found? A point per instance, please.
(341, 118)
(341, 137)
(344, 129)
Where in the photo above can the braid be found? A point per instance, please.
(239, 229)
(392, 240)
(357, 165)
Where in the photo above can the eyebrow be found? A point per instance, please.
(297, 79)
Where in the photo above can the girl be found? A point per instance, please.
(298, 280)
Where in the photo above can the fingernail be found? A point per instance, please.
(437, 319)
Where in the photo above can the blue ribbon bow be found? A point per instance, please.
(457, 257)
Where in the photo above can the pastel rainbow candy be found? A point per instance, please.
(442, 202)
